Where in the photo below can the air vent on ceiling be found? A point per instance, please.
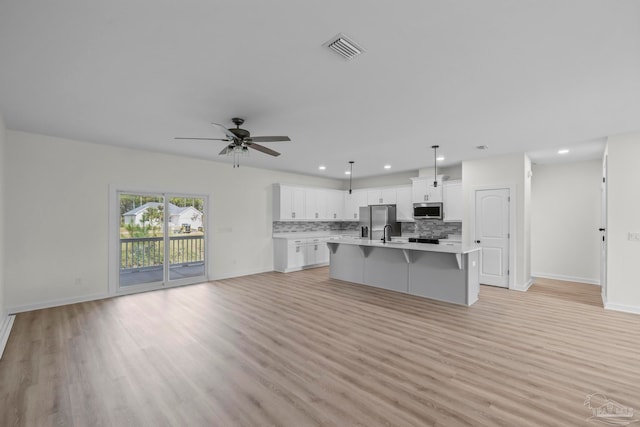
(344, 47)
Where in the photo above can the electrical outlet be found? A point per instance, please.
(78, 281)
(634, 237)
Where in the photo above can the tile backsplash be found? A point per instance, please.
(432, 228)
(423, 227)
(311, 226)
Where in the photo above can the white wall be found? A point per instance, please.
(623, 216)
(59, 232)
(3, 164)
(508, 171)
(387, 179)
(565, 241)
(453, 172)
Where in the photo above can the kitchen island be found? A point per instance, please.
(442, 272)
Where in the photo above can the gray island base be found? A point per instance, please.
(440, 272)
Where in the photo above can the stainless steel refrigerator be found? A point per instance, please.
(373, 218)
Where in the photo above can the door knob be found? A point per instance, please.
(477, 241)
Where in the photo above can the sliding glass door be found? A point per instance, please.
(161, 240)
(186, 237)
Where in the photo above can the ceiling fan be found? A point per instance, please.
(240, 140)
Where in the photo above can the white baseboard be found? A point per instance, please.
(239, 274)
(5, 330)
(56, 303)
(523, 288)
(567, 278)
(620, 307)
(93, 297)
(306, 267)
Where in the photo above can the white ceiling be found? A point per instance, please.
(515, 75)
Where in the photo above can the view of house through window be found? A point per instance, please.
(162, 238)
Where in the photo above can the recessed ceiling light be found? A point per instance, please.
(441, 158)
(387, 166)
(322, 167)
(347, 173)
(482, 147)
(563, 151)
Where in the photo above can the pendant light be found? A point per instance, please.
(435, 164)
(351, 162)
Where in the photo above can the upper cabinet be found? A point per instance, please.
(296, 203)
(335, 205)
(288, 203)
(452, 201)
(352, 204)
(404, 203)
(381, 196)
(315, 206)
(425, 191)
(293, 203)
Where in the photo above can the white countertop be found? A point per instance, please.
(427, 247)
(314, 234)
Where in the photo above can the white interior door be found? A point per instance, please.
(603, 230)
(492, 235)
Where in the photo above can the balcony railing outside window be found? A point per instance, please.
(143, 252)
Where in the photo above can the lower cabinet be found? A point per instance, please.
(292, 255)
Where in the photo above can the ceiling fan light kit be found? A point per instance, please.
(241, 140)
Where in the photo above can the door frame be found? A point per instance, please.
(604, 248)
(512, 223)
(114, 241)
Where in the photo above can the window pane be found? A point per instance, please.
(141, 238)
(186, 237)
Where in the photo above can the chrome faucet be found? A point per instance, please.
(384, 233)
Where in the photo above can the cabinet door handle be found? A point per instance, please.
(477, 241)
(293, 214)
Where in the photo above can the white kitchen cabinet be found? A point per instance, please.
(316, 204)
(335, 205)
(452, 201)
(423, 190)
(381, 196)
(404, 204)
(288, 203)
(316, 252)
(352, 204)
(297, 254)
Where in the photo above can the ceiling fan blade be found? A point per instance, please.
(201, 139)
(263, 149)
(226, 131)
(270, 138)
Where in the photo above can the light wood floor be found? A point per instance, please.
(300, 349)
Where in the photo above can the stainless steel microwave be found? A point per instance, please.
(427, 210)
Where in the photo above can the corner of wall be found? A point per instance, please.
(5, 321)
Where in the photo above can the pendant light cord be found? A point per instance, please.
(350, 174)
(435, 164)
